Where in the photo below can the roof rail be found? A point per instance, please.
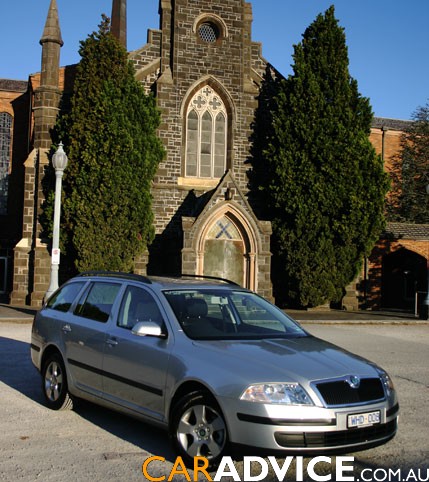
(203, 276)
(117, 274)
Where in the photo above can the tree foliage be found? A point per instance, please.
(110, 138)
(324, 185)
(408, 200)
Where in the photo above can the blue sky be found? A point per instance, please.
(388, 40)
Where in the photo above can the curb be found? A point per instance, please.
(18, 321)
(345, 322)
(25, 315)
(363, 322)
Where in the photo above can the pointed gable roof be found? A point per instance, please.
(228, 190)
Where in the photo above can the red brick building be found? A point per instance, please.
(204, 223)
(396, 273)
(14, 145)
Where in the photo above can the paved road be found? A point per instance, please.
(93, 444)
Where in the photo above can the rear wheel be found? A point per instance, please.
(198, 428)
(54, 384)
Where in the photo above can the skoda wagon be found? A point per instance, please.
(214, 364)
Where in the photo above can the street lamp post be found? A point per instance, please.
(59, 162)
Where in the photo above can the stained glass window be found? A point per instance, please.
(206, 134)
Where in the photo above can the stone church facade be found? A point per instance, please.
(207, 110)
(204, 223)
(206, 72)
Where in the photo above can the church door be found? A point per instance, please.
(225, 252)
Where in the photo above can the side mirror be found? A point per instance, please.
(148, 328)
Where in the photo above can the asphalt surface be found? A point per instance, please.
(95, 444)
(25, 314)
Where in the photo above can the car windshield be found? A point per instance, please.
(216, 315)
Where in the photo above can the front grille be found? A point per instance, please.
(313, 440)
(339, 392)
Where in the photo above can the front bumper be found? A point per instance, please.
(308, 429)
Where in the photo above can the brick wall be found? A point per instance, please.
(383, 248)
(387, 142)
(14, 100)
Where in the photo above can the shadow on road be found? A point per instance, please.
(16, 369)
(18, 372)
(148, 438)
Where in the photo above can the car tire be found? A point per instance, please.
(198, 429)
(54, 384)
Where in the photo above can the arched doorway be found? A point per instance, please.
(225, 251)
(227, 240)
(403, 275)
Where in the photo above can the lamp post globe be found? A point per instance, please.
(59, 159)
(59, 162)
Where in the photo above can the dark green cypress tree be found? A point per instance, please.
(110, 138)
(408, 200)
(258, 175)
(325, 185)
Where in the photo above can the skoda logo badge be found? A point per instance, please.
(354, 381)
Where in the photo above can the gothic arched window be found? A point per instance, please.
(5, 144)
(206, 135)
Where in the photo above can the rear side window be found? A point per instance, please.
(98, 301)
(64, 297)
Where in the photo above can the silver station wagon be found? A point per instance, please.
(214, 364)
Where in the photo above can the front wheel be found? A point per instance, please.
(54, 384)
(198, 428)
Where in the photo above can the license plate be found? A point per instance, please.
(363, 419)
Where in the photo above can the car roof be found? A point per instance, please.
(182, 281)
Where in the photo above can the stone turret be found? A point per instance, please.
(31, 256)
(47, 96)
(119, 21)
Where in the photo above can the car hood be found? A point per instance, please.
(300, 360)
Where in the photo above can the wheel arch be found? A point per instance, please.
(49, 351)
(188, 387)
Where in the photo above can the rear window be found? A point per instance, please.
(64, 297)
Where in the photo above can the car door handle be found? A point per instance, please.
(67, 328)
(112, 342)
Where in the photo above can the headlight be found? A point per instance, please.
(387, 381)
(278, 393)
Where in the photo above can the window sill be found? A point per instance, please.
(197, 183)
